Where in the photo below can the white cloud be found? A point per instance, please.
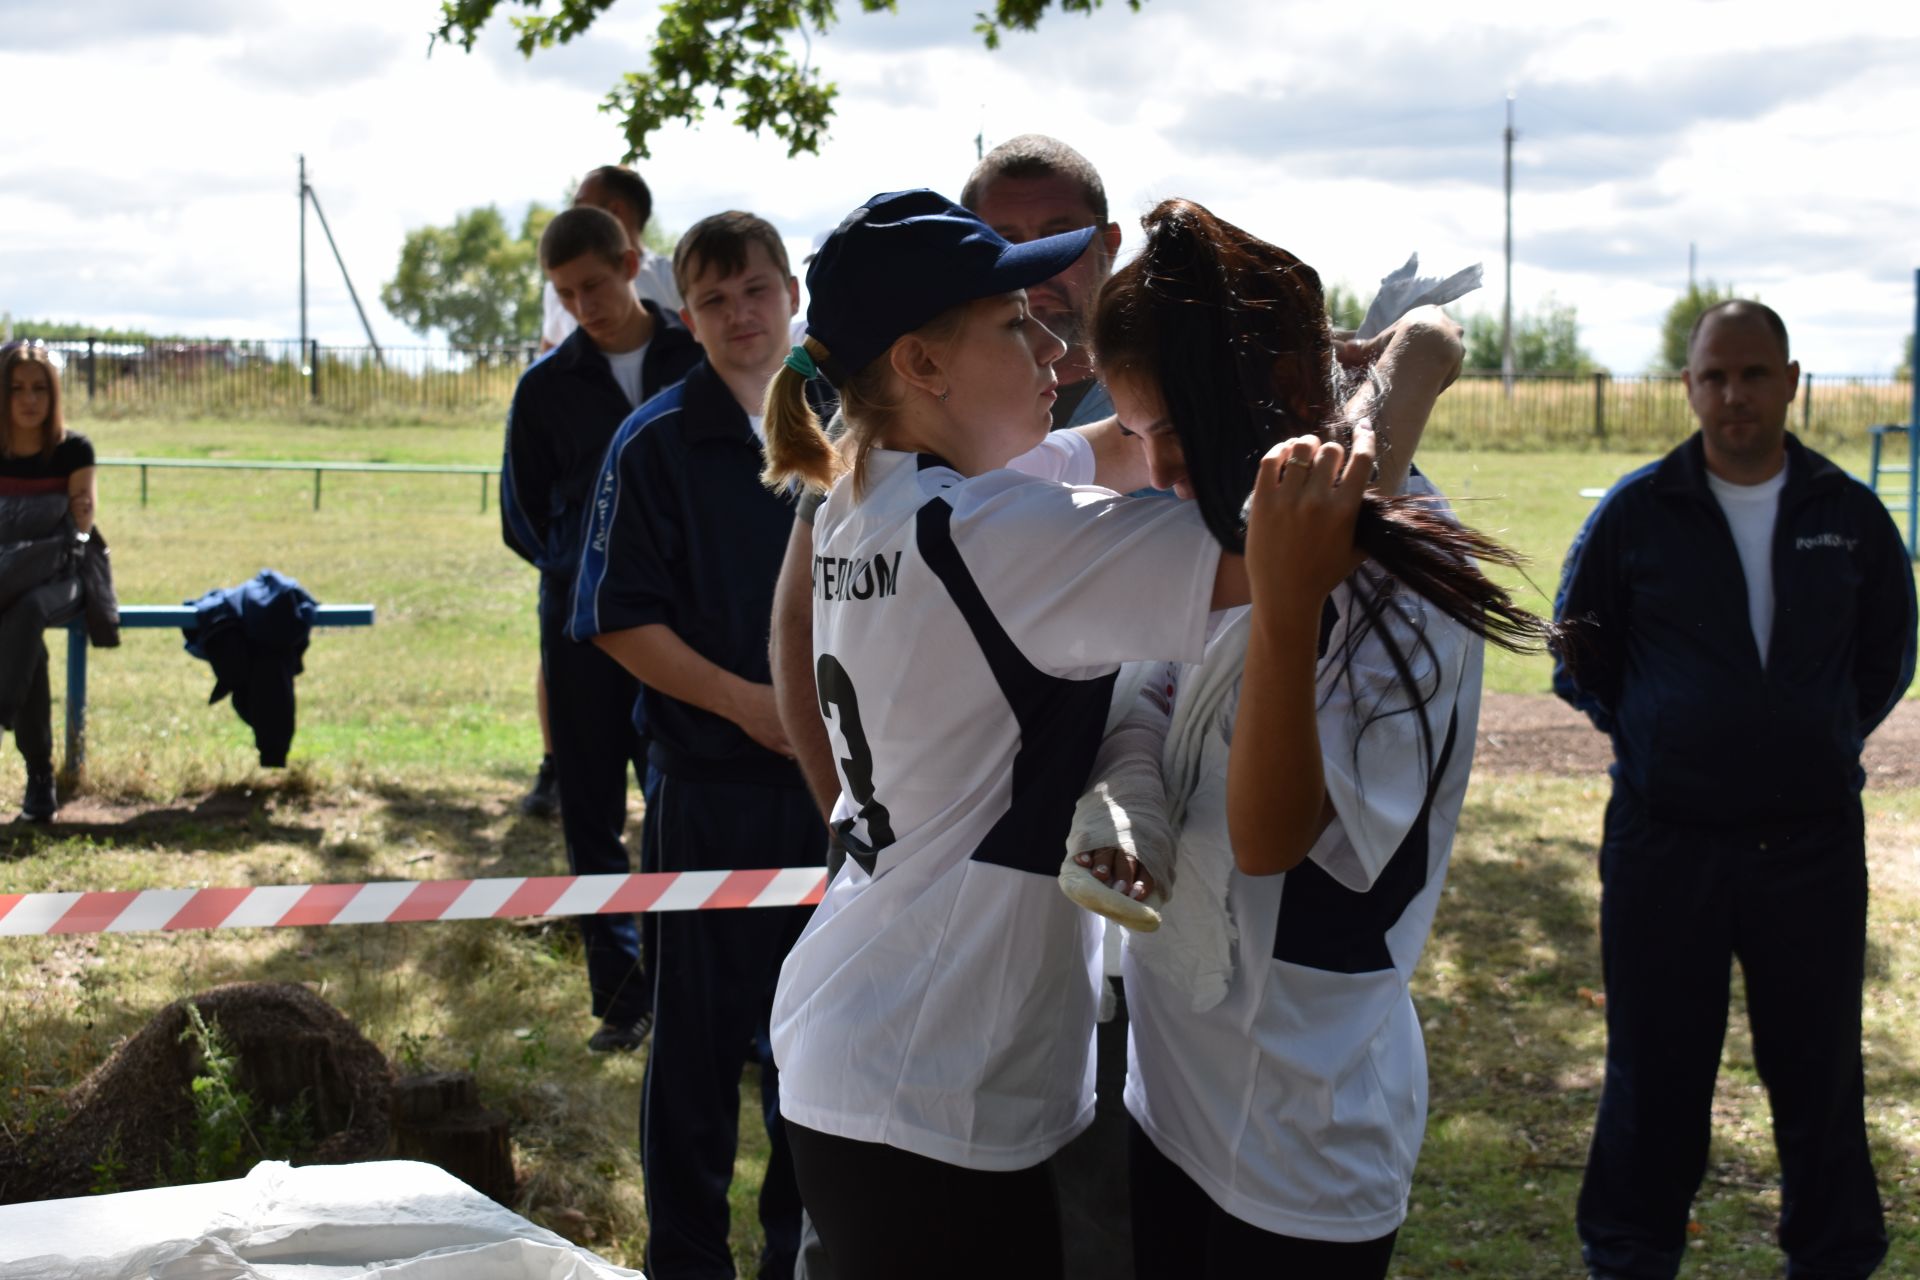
(161, 189)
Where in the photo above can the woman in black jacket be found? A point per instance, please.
(46, 498)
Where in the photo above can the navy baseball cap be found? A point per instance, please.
(904, 257)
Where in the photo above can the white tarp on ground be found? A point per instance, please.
(393, 1219)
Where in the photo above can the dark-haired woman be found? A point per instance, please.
(933, 1025)
(1314, 771)
(46, 493)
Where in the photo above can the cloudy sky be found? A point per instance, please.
(148, 177)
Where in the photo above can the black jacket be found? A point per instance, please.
(684, 534)
(1663, 657)
(255, 635)
(39, 544)
(96, 585)
(36, 543)
(565, 411)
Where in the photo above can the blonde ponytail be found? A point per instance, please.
(797, 447)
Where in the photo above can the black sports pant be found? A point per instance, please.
(590, 701)
(885, 1214)
(26, 702)
(1179, 1233)
(714, 974)
(1678, 904)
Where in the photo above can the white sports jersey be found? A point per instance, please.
(1299, 1102)
(966, 636)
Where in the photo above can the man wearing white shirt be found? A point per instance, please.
(624, 194)
(1741, 617)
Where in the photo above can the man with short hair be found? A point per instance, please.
(1034, 186)
(1741, 617)
(676, 582)
(565, 410)
(624, 194)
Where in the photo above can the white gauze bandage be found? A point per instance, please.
(1401, 291)
(1193, 951)
(1124, 806)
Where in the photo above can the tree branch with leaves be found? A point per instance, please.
(722, 54)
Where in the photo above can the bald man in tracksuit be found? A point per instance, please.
(1743, 617)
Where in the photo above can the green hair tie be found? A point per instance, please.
(801, 362)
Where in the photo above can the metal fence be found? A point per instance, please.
(221, 377)
(1483, 410)
(1639, 413)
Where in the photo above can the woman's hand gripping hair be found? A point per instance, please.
(1299, 548)
(1300, 522)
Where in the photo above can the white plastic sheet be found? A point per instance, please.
(394, 1219)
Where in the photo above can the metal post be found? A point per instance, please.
(90, 377)
(316, 488)
(351, 292)
(1600, 406)
(1506, 308)
(483, 493)
(1913, 435)
(303, 253)
(76, 760)
(313, 370)
(1806, 406)
(143, 484)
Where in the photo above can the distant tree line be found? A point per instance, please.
(75, 331)
(476, 281)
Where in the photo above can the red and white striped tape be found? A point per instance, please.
(397, 901)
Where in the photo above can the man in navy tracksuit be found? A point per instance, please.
(565, 410)
(1744, 616)
(676, 581)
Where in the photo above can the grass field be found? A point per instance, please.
(417, 735)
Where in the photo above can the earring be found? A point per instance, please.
(944, 394)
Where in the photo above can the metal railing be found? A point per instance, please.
(217, 377)
(319, 469)
(1637, 412)
(1640, 413)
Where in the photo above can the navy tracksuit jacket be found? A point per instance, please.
(1663, 657)
(684, 535)
(1735, 830)
(565, 411)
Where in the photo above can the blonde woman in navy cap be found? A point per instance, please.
(933, 1025)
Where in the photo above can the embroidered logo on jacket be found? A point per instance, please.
(1817, 540)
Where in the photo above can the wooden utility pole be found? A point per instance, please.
(1506, 308)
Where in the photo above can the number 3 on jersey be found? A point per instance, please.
(840, 706)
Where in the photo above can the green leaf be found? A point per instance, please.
(722, 54)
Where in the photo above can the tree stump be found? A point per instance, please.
(438, 1118)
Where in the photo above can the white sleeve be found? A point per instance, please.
(1378, 763)
(1064, 456)
(655, 283)
(556, 325)
(1081, 579)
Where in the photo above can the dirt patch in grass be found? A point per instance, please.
(1538, 734)
(132, 1117)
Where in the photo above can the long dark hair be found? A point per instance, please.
(1233, 333)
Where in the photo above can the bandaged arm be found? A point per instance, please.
(1125, 804)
